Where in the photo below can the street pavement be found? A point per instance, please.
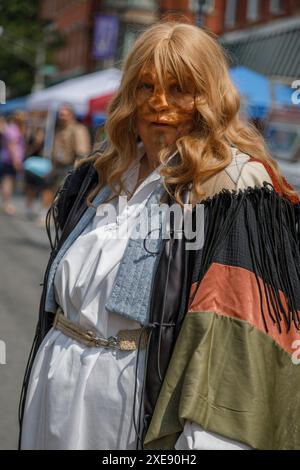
(24, 251)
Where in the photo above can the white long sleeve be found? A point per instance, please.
(194, 437)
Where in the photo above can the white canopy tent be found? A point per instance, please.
(76, 91)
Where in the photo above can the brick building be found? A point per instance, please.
(132, 17)
(76, 21)
(264, 35)
(260, 34)
(242, 14)
(73, 19)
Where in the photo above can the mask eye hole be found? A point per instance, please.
(146, 86)
(175, 88)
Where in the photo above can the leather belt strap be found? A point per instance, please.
(125, 340)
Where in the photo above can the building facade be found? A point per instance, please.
(264, 35)
(242, 14)
(260, 34)
(98, 33)
(127, 19)
(73, 19)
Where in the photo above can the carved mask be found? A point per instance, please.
(163, 114)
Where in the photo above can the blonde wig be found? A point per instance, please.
(188, 53)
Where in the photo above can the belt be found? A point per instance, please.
(125, 340)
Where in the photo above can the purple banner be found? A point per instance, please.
(106, 28)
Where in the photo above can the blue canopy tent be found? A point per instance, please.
(12, 105)
(98, 119)
(283, 94)
(255, 88)
(260, 93)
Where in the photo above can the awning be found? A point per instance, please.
(100, 103)
(77, 92)
(272, 50)
(260, 94)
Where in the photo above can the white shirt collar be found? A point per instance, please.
(131, 174)
(136, 163)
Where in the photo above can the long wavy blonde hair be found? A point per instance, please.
(187, 52)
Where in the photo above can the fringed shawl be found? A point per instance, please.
(233, 369)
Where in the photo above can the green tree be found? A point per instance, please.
(22, 33)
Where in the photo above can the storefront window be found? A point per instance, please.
(230, 13)
(253, 7)
(275, 7)
(206, 5)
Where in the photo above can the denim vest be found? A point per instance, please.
(131, 292)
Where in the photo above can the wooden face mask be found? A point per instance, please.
(163, 114)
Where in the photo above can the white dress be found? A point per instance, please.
(81, 397)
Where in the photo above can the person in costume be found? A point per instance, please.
(144, 339)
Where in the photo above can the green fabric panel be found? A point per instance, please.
(231, 379)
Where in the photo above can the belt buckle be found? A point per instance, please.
(111, 342)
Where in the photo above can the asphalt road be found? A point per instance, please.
(24, 251)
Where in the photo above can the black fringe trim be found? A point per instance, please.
(271, 225)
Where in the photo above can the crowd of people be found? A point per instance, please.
(23, 167)
(13, 150)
